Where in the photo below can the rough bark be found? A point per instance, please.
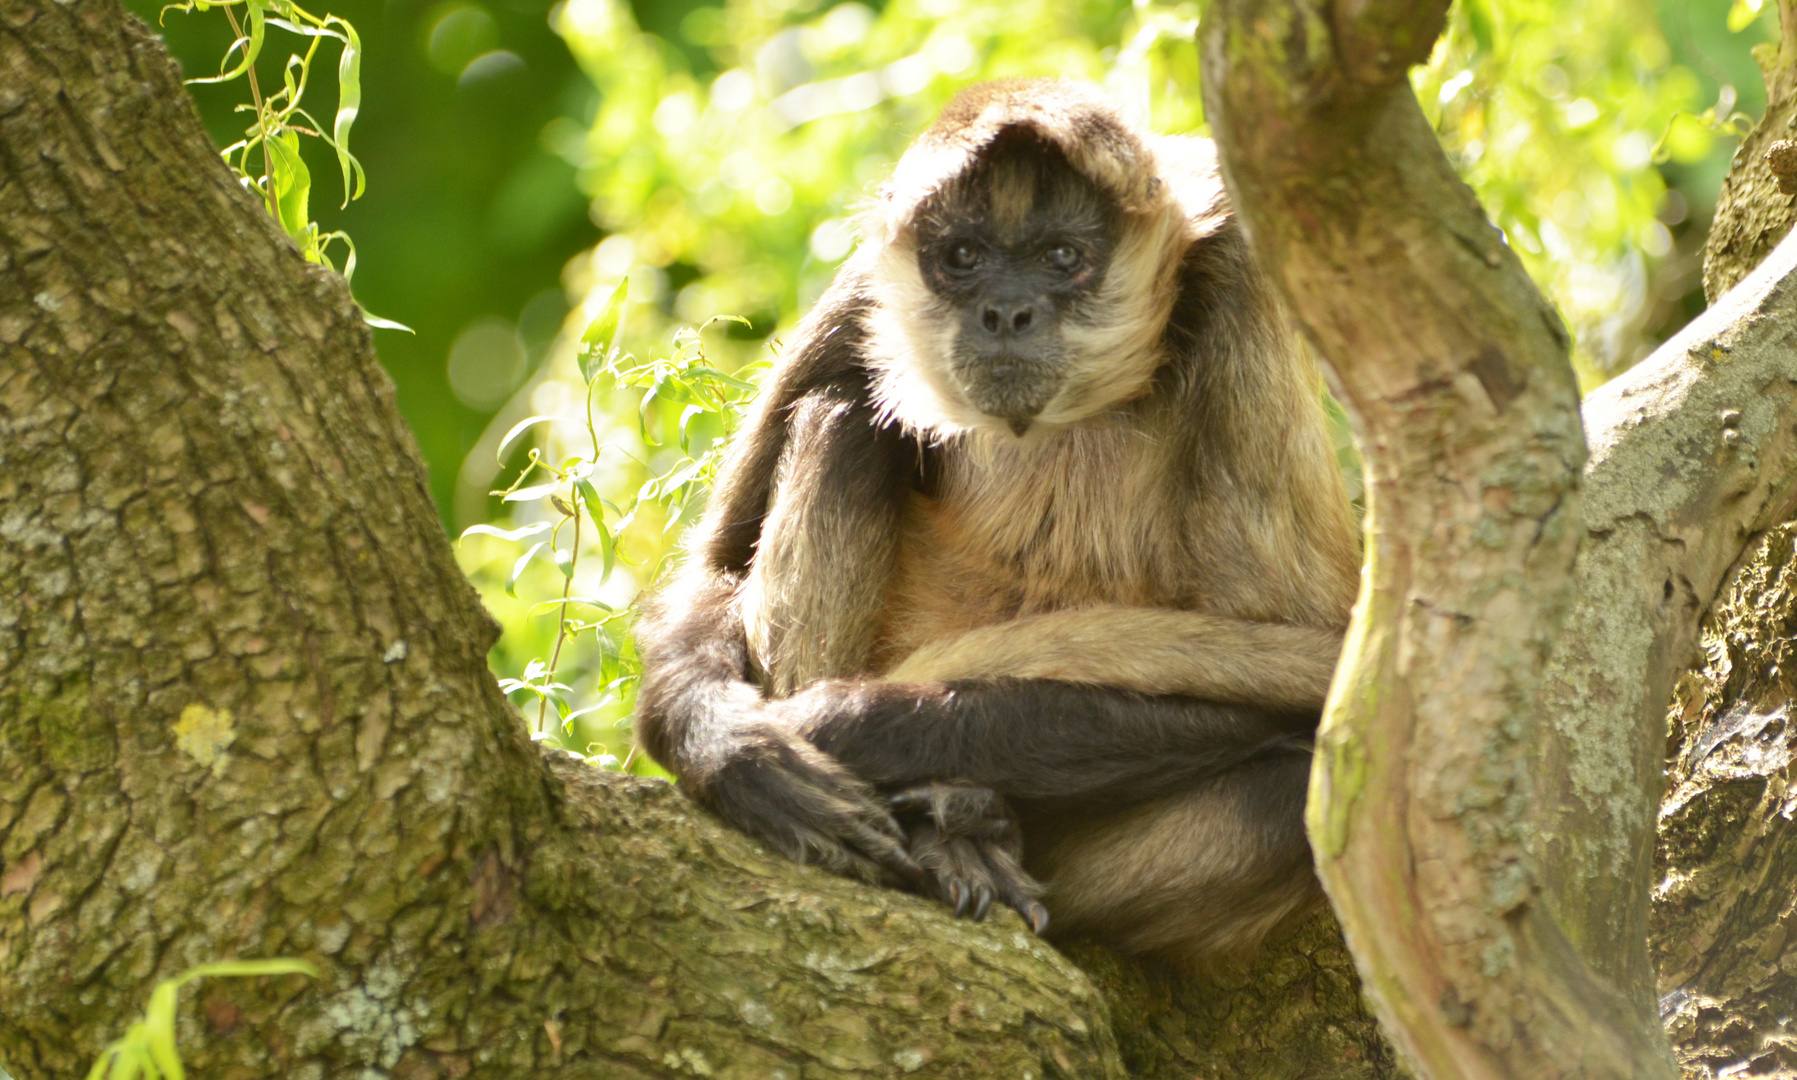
(244, 709)
(1467, 416)
(1752, 213)
(1727, 850)
(1693, 453)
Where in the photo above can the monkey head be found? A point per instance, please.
(1023, 262)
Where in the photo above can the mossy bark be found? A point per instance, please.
(244, 712)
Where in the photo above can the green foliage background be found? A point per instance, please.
(524, 159)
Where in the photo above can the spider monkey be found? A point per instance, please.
(1026, 579)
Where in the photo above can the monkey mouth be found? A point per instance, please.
(1007, 387)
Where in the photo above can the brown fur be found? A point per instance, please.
(1172, 523)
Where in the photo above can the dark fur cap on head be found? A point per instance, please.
(1076, 118)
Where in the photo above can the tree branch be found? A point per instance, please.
(1693, 452)
(1456, 375)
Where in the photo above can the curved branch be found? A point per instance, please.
(1693, 452)
(1455, 372)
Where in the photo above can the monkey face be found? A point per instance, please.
(1019, 296)
(1014, 253)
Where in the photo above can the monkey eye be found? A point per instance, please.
(961, 256)
(1064, 257)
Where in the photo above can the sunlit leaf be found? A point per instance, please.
(511, 579)
(518, 429)
(349, 103)
(522, 531)
(550, 605)
(596, 342)
(293, 184)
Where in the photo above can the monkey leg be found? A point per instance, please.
(1198, 879)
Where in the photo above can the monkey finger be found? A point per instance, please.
(1015, 887)
(886, 851)
(911, 799)
(982, 901)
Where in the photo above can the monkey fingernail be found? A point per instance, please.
(981, 904)
(959, 894)
(911, 799)
(1037, 916)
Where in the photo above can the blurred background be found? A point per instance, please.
(524, 158)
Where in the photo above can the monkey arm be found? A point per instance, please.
(700, 710)
(1036, 739)
(1148, 650)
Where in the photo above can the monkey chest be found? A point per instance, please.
(1012, 534)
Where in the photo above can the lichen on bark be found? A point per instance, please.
(1727, 852)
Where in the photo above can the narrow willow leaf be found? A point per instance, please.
(251, 45)
(608, 544)
(384, 324)
(293, 184)
(728, 380)
(506, 534)
(564, 561)
(511, 579)
(159, 1030)
(535, 491)
(518, 429)
(349, 104)
(277, 965)
(550, 605)
(656, 389)
(596, 344)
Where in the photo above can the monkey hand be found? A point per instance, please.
(778, 788)
(967, 841)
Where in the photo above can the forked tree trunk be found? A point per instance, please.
(244, 711)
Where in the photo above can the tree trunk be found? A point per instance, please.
(244, 709)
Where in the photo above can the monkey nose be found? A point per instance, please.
(999, 318)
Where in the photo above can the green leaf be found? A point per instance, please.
(564, 561)
(596, 343)
(656, 389)
(159, 1030)
(535, 491)
(349, 103)
(278, 965)
(506, 534)
(251, 45)
(511, 579)
(550, 605)
(379, 323)
(608, 549)
(728, 380)
(518, 429)
(293, 184)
